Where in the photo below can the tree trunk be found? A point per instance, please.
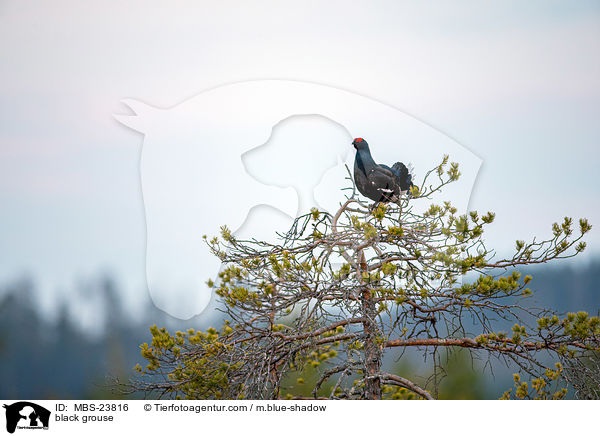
(372, 349)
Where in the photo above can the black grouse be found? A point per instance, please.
(379, 182)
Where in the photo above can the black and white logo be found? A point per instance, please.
(26, 415)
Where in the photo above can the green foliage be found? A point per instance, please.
(546, 387)
(313, 314)
(192, 377)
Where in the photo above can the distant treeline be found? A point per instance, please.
(56, 359)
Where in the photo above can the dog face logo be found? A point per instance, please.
(239, 155)
(26, 415)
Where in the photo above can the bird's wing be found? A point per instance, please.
(383, 179)
(381, 171)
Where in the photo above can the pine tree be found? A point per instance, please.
(339, 292)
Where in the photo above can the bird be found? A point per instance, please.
(379, 182)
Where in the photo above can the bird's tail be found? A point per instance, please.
(403, 175)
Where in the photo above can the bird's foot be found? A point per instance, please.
(373, 206)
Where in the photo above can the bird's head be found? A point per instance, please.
(360, 144)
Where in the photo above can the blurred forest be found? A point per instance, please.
(55, 358)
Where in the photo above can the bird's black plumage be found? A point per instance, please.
(379, 182)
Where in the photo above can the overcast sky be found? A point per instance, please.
(517, 83)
